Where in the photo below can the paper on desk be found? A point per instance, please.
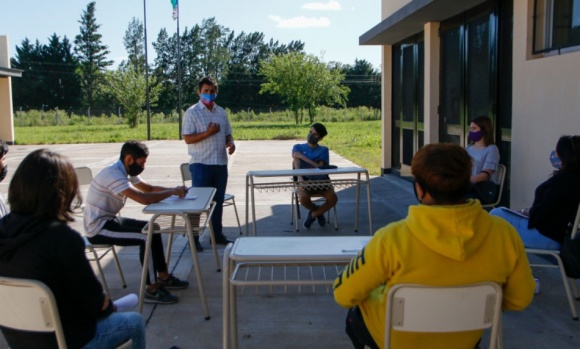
(127, 302)
(186, 197)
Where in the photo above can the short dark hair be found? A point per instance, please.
(134, 148)
(206, 80)
(568, 149)
(320, 129)
(45, 185)
(443, 170)
(484, 123)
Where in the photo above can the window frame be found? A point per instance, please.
(543, 28)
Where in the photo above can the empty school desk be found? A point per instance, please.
(198, 203)
(261, 181)
(267, 253)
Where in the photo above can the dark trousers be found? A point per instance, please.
(357, 330)
(215, 176)
(128, 232)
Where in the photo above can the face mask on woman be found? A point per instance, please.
(555, 160)
(475, 136)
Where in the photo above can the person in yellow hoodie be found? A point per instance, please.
(446, 240)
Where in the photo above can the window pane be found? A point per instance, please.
(478, 68)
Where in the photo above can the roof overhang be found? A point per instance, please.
(12, 73)
(410, 19)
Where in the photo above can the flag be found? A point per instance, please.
(175, 9)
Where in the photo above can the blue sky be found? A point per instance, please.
(329, 28)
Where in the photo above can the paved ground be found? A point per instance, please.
(274, 319)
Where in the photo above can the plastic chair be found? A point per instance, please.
(97, 252)
(501, 173)
(29, 305)
(229, 199)
(420, 308)
(295, 207)
(565, 280)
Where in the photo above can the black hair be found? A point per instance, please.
(320, 129)
(206, 80)
(568, 149)
(134, 148)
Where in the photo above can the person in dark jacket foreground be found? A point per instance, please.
(37, 243)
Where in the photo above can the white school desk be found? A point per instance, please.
(282, 252)
(255, 180)
(172, 206)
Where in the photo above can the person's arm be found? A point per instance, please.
(490, 164)
(230, 145)
(370, 269)
(211, 130)
(146, 194)
(299, 156)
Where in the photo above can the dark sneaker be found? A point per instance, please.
(222, 240)
(198, 246)
(308, 221)
(321, 220)
(160, 296)
(173, 283)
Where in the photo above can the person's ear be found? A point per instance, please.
(419, 191)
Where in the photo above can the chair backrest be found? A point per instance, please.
(29, 305)
(185, 174)
(501, 173)
(84, 175)
(576, 225)
(420, 308)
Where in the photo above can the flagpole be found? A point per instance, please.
(146, 72)
(179, 107)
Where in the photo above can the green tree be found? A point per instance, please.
(134, 41)
(49, 78)
(91, 54)
(365, 84)
(303, 82)
(127, 86)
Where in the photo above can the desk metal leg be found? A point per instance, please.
(146, 263)
(253, 205)
(357, 203)
(247, 204)
(226, 298)
(369, 203)
(233, 311)
(196, 268)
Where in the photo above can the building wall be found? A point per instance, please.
(6, 117)
(388, 7)
(546, 105)
(546, 101)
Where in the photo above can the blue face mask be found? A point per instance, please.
(555, 160)
(208, 98)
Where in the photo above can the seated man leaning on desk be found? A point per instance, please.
(107, 195)
(312, 155)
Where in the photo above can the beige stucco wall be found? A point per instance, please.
(388, 7)
(546, 105)
(6, 117)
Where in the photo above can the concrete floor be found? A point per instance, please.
(274, 318)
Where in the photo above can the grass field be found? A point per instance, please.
(355, 138)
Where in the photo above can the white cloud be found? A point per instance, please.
(300, 22)
(332, 5)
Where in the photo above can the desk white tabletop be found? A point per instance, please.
(306, 172)
(197, 200)
(288, 248)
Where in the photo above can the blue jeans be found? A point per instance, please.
(212, 176)
(531, 237)
(118, 328)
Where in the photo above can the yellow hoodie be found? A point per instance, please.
(438, 246)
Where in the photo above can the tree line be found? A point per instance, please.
(252, 72)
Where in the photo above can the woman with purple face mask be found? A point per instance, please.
(483, 151)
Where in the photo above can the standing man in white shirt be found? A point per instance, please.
(208, 135)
